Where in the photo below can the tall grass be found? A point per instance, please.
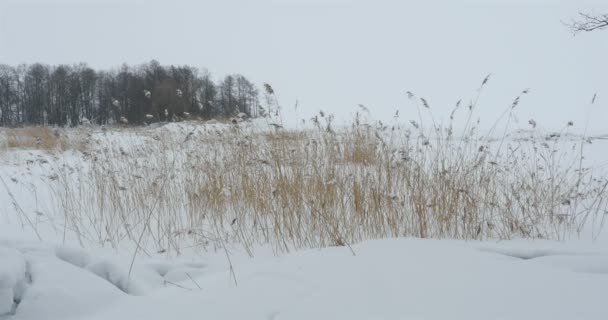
(210, 185)
(320, 187)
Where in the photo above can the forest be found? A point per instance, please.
(72, 95)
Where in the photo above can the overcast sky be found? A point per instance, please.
(334, 54)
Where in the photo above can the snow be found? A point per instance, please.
(385, 279)
(12, 278)
(48, 272)
(65, 277)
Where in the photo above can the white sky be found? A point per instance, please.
(335, 54)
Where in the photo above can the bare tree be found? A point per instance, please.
(588, 22)
(68, 95)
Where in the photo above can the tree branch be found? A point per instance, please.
(588, 22)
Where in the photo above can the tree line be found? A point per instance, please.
(70, 95)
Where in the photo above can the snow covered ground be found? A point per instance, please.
(385, 279)
(59, 277)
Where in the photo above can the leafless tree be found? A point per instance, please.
(68, 95)
(588, 22)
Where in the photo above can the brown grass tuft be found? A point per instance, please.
(43, 138)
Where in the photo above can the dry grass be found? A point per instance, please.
(213, 185)
(322, 188)
(44, 138)
(32, 138)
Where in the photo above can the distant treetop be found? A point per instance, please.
(70, 95)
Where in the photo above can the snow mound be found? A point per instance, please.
(115, 273)
(39, 281)
(76, 257)
(112, 273)
(13, 280)
(387, 279)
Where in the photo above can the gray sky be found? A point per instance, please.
(334, 54)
